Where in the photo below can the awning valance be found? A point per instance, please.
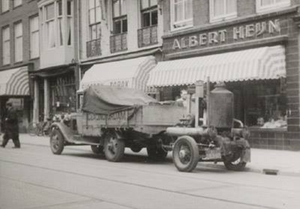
(252, 64)
(14, 82)
(132, 73)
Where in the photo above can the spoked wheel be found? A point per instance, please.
(234, 161)
(185, 154)
(97, 149)
(57, 142)
(114, 148)
(157, 153)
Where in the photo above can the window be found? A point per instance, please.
(119, 16)
(34, 37)
(50, 28)
(17, 3)
(18, 30)
(57, 24)
(6, 46)
(69, 22)
(266, 5)
(5, 5)
(222, 9)
(181, 13)
(94, 19)
(149, 12)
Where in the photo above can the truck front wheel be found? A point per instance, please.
(185, 154)
(57, 142)
(114, 148)
(234, 161)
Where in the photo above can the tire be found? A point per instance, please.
(97, 149)
(57, 142)
(114, 148)
(233, 162)
(157, 153)
(185, 154)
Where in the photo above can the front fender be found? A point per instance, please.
(65, 130)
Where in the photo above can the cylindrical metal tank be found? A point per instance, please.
(221, 104)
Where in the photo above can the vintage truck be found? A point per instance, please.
(112, 118)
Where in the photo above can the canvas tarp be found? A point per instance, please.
(102, 99)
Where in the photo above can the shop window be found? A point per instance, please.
(18, 32)
(148, 13)
(119, 16)
(222, 10)
(17, 3)
(5, 45)
(181, 14)
(34, 37)
(262, 104)
(267, 5)
(5, 6)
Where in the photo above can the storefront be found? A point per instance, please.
(256, 57)
(54, 91)
(14, 86)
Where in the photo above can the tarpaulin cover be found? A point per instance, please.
(102, 99)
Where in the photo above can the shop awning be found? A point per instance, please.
(131, 73)
(14, 82)
(253, 64)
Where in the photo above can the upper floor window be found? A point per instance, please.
(222, 9)
(34, 37)
(149, 12)
(18, 32)
(94, 19)
(267, 5)
(181, 13)
(119, 16)
(17, 3)
(5, 5)
(57, 23)
(5, 46)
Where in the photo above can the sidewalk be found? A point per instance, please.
(285, 162)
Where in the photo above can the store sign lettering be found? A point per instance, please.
(220, 36)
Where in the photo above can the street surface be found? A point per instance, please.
(32, 177)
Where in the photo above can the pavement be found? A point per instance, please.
(272, 162)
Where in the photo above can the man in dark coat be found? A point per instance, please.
(11, 130)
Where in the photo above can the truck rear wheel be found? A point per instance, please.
(114, 148)
(157, 153)
(233, 162)
(97, 149)
(185, 154)
(56, 142)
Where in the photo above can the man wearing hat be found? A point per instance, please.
(11, 130)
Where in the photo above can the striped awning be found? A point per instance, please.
(131, 73)
(14, 82)
(253, 64)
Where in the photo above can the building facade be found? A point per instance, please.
(55, 80)
(120, 42)
(19, 53)
(252, 46)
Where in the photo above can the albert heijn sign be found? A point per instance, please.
(228, 35)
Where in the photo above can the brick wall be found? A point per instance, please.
(20, 13)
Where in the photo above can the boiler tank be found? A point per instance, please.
(221, 104)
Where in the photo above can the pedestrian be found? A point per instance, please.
(11, 126)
